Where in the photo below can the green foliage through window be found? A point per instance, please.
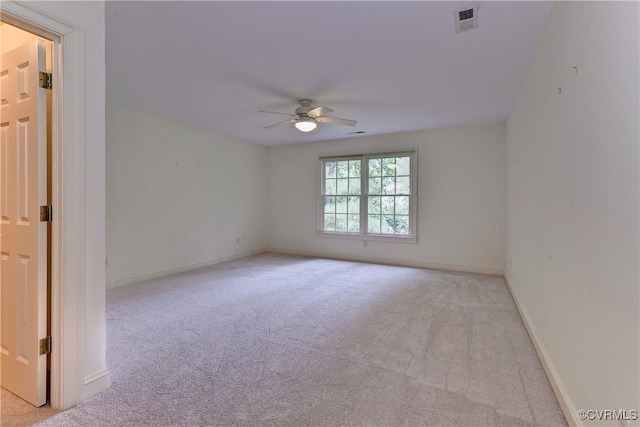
(342, 189)
(385, 184)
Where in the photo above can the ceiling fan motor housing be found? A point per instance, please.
(302, 117)
(305, 106)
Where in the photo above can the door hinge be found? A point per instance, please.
(46, 213)
(45, 345)
(46, 80)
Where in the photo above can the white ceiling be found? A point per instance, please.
(392, 66)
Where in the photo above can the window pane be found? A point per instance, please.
(342, 170)
(375, 168)
(374, 205)
(341, 222)
(330, 186)
(403, 165)
(343, 186)
(387, 207)
(403, 185)
(330, 169)
(354, 186)
(353, 223)
(388, 224)
(389, 185)
(402, 205)
(354, 169)
(388, 203)
(389, 166)
(402, 224)
(330, 222)
(354, 205)
(341, 204)
(329, 205)
(375, 186)
(373, 225)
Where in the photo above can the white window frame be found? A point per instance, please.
(363, 234)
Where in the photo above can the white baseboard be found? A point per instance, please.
(96, 384)
(123, 281)
(399, 262)
(556, 384)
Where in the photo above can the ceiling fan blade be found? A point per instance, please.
(275, 112)
(319, 111)
(336, 121)
(281, 123)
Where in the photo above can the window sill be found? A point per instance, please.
(368, 237)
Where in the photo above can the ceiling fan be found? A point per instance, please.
(306, 118)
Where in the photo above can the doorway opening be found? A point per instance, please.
(74, 329)
(26, 185)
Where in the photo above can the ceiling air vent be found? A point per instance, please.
(466, 18)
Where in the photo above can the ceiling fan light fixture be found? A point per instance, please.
(305, 124)
(306, 118)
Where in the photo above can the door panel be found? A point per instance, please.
(23, 237)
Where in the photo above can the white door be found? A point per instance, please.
(23, 240)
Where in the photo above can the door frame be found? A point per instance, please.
(68, 197)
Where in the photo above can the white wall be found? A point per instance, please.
(178, 196)
(461, 174)
(12, 37)
(572, 204)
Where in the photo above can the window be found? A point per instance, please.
(369, 195)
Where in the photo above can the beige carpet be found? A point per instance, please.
(15, 412)
(282, 340)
